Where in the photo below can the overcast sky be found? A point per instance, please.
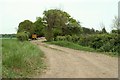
(91, 13)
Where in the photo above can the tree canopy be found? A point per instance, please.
(39, 26)
(59, 23)
(27, 26)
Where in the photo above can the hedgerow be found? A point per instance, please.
(100, 42)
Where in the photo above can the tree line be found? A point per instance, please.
(57, 25)
(54, 23)
(7, 35)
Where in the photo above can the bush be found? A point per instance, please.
(23, 36)
(60, 38)
(96, 43)
(68, 38)
(106, 47)
(75, 38)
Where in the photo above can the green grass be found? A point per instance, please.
(79, 47)
(20, 59)
(0, 57)
(71, 45)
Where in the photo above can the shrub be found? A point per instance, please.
(75, 38)
(106, 47)
(96, 43)
(60, 38)
(85, 40)
(68, 38)
(23, 36)
(100, 42)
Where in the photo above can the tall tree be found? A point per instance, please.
(26, 26)
(55, 19)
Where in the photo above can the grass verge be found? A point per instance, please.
(79, 47)
(71, 45)
(21, 59)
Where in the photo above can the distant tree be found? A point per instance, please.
(86, 30)
(8, 35)
(27, 26)
(104, 30)
(98, 32)
(114, 31)
(39, 26)
(92, 31)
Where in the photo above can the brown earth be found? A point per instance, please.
(68, 63)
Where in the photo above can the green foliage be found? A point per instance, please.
(72, 38)
(85, 40)
(68, 38)
(106, 47)
(48, 34)
(39, 27)
(23, 36)
(75, 38)
(60, 23)
(96, 42)
(115, 31)
(54, 18)
(73, 27)
(20, 59)
(26, 26)
(54, 23)
(56, 32)
(60, 38)
(99, 42)
(88, 31)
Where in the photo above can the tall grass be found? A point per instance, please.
(20, 59)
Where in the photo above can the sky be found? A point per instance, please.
(91, 13)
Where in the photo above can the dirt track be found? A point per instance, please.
(68, 63)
